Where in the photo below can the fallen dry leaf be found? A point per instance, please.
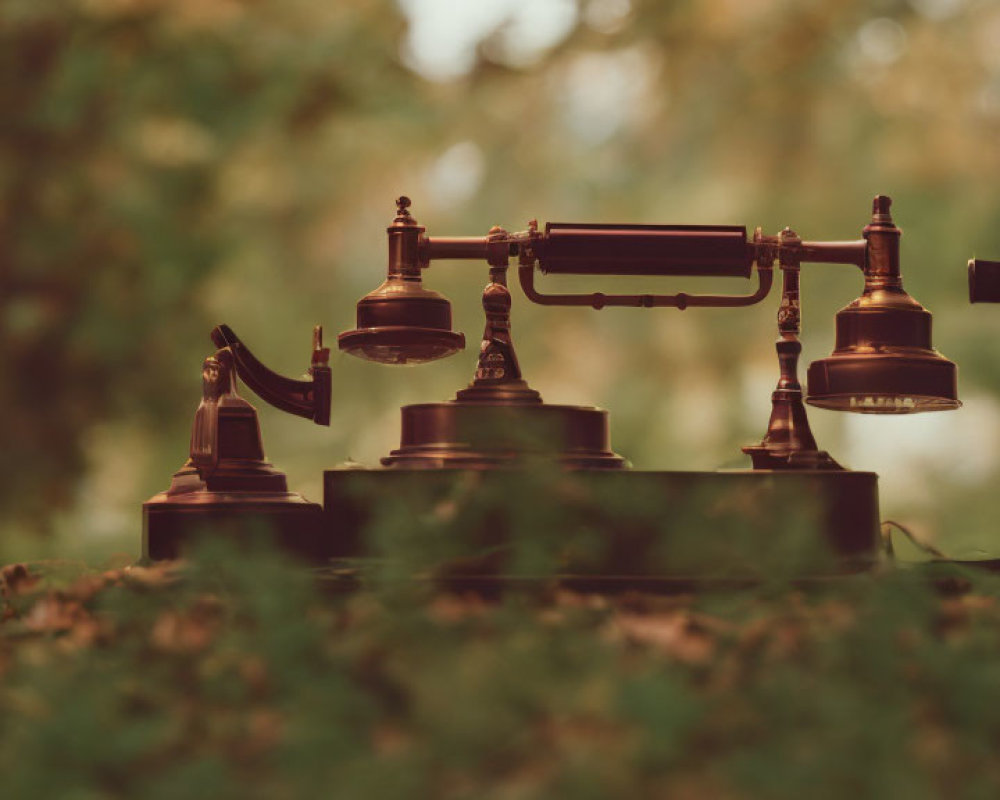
(676, 634)
(55, 612)
(16, 579)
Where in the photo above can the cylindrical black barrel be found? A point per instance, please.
(582, 249)
(984, 281)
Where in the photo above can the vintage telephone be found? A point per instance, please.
(883, 363)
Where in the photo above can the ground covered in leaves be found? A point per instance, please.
(236, 675)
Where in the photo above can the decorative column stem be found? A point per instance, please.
(789, 442)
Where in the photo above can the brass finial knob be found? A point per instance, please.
(403, 218)
(881, 217)
(880, 209)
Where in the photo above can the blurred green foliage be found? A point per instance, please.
(241, 676)
(534, 523)
(140, 143)
(165, 166)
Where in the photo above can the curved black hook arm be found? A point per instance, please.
(309, 399)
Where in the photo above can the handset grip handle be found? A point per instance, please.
(691, 250)
(309, 399)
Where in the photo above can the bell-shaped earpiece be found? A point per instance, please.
(401, 322)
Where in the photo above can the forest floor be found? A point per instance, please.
(236, 674)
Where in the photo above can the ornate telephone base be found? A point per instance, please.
(226, 487)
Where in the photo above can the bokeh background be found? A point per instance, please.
(166, 166)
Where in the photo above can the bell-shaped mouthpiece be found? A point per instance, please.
(883, 362)
(401, 322)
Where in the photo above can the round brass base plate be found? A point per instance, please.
(489, 436)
